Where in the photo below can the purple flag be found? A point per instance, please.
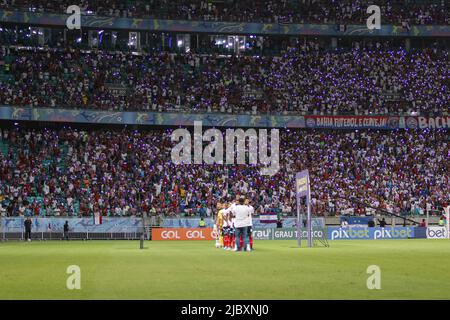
(302, 185)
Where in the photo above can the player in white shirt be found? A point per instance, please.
(243, 219)
(250, 228)
(231, 205)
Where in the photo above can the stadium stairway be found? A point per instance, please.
(4, 146)
(5, 76)
(62, 163)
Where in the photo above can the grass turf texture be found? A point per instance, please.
(410, 269)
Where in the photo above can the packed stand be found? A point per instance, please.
(263, 11)
(303, 80)
(70, 172)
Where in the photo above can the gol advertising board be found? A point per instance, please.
(338, 233)
(183, 234)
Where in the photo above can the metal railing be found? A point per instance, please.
(75, 236)
(132, 234)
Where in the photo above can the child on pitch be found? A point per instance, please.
(250, 228)
(226, 231)
(229, 239)
(230, 228)
(233, 245)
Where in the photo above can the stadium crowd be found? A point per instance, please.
(304, 79)
(71, 172)
(264, 11)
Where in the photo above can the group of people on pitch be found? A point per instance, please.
(234, 225)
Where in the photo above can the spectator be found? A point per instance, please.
(202, 210)
(382, 223)
(442, 221)
(423, 224)
(202, 223)
(279, 223)
(66, 230)
(28, 224)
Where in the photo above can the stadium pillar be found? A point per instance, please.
(134, 40)
(407, 45)
(113, 39)
(93, 38)
(41, 36)
(333, 43)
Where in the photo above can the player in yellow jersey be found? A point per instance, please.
(219, 225)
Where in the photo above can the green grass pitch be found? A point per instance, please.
(410, 269)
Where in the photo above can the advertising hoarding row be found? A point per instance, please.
(223, 27)
(222, 120)
(332, 233)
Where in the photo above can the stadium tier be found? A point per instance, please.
(285, 74)
(418, 12)
(303, 80)
(70, 172)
